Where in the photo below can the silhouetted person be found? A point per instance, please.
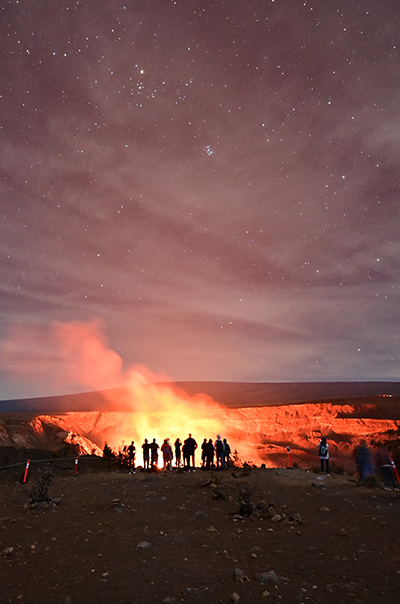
(203, 453)
(210, 455)
(219, 450)
(189, 447)
(178, 452)
(167, 454)
(154, 453)
(227, 452)
(107, 452)
(323, 448)
(363, 459)
(384, 467)
(131, 456)
(146, 454)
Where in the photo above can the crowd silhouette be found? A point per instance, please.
(215, 455)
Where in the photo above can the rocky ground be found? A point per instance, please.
(114, 537)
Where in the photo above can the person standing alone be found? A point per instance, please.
(323, 448)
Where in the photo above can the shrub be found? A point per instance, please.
(39, 490)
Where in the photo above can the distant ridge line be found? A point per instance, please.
(230, 394)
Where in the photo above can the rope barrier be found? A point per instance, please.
(13, 465)
(23, 463)
(56, 460)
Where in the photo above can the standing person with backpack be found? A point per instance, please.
(324, 454)
(167, 454)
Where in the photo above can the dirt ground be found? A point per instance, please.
(143, 538)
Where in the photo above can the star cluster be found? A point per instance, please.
(218, 183)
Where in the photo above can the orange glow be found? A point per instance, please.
(158, 411)
(145, 408)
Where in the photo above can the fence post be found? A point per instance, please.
(290, 457)
(395, 471)
(26, 470)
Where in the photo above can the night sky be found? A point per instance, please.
(209, 189)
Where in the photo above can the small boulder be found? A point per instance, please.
(269, 577)
(239, 576)
(144, 544)
(200, 515)
(266, 510)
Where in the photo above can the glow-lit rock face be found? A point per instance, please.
(259, 434)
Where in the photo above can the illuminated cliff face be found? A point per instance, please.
(260, 434)
(43, 432)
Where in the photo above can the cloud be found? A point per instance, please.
(62, 355)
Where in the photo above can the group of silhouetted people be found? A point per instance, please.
(219, 451)
(214, 455)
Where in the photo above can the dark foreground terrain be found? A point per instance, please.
(152, 538)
